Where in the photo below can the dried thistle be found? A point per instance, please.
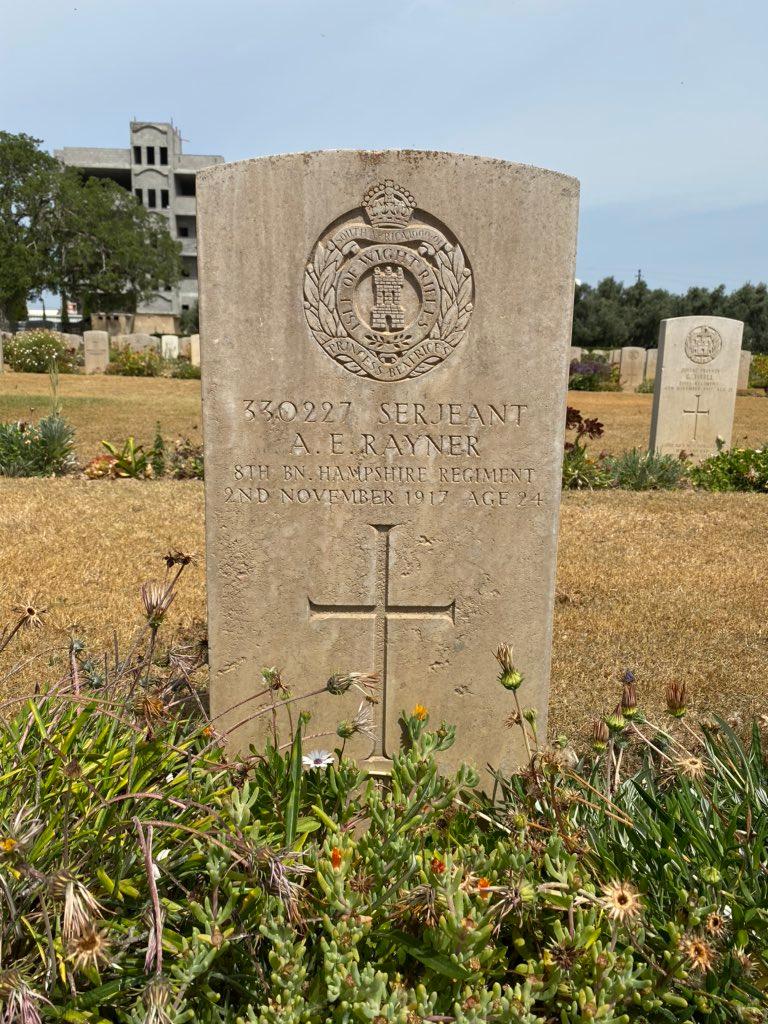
(89, 949)
(157, 598)
(698, 952)
(366, 683)
(691, 767)
(422, 904)
(676, 694)
(81, 907)
(156, 998)
(362, 723)
(177, 558)
(20, 1002)
(31, 615)
(509, 677)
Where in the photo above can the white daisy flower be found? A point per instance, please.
(317, 759)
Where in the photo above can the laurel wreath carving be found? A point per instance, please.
(455, 301)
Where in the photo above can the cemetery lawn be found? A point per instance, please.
(106, 408)
(670, 585)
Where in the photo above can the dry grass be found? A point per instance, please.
(107, 408)
(627, 418)
(670, 585)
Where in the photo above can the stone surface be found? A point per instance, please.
(96, 351)
(194, 349)
(745, 365)
(575, 354)
(631, 367)
(384, 383)
(651, 360)
(184, 347)
(143, 342)
(695, 393)
(73, 341)
(169, 346)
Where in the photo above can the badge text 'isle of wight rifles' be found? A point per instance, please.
(388, 290)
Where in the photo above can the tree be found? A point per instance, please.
(27, 185)
(107, 252)
(86, 239)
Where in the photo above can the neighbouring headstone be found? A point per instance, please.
(169, 346)
(384, 389)
(745, 365)
(3, 335)
(651, 358)
(614, 356)
(96, 351)
(184, 347)
(194, 349)
(575, 354)
(695, 394)
(143, 342)
(631, 367)
(74, 342)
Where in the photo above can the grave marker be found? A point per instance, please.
(384, 392)
(695, 393)
(631, 367)
(745, 365)
(194, 349)
(651, 360)
(96, 351)
(169, 346)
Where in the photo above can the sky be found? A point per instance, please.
(659, 107)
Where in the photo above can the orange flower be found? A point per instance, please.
(420, 712)
(336, 857)
(437, 865)
(482, 887)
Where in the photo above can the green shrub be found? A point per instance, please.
(645, 471)
(733, 469)
(127, 363)
(593, 375)
(45, 448)
(147, 875)
(36, 351)
(184, 370)
(185, 462)
(758, 371)
(646, 388)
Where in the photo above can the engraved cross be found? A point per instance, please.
(382, 612)
(696, 413)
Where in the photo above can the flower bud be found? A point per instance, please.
(676, 699)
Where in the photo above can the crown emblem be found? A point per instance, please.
(388, 205)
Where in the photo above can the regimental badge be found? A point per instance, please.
(388, 290)
(703, 344)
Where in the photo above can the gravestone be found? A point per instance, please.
(169, 346)
(651, 359)
(695, 393)
(143, 342)
(184, 347)
(386, 342)
(745, 365)
(194, 349)
(631, 367)
(614, 356)
(3, 335)
(96, 351)
(74, 342)
(575, 354)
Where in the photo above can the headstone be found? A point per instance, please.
(2, 337)
(143, 342)
(384, 400)
(695, 394)
(614, 356)
(184, 347)
(73, 341)
(194, 349)
(745, 365)
(631, 368)
(575, 354)
(651, 357)
(169, 346)
(96, 350)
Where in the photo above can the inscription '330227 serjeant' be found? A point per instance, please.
(388, 294)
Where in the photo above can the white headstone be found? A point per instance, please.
(631, 367)
(574, 354)
(651, 358)
(96, 350)
(745, 365)
(169, 346)
(378, 410)
(695, 393)
(194, 349)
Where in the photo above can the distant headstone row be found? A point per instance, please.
(97, 345)
(638, 365)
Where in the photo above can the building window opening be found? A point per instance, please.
(183, 232)
(184, 307)
(150, 154)
(151, 198)
(185, 184)
(137, 154)
(164, 198)
(139, 195)
(164, 156)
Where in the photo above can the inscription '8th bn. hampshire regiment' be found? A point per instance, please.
(387, 295)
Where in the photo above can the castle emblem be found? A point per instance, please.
(388, 294)
(703, 344)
